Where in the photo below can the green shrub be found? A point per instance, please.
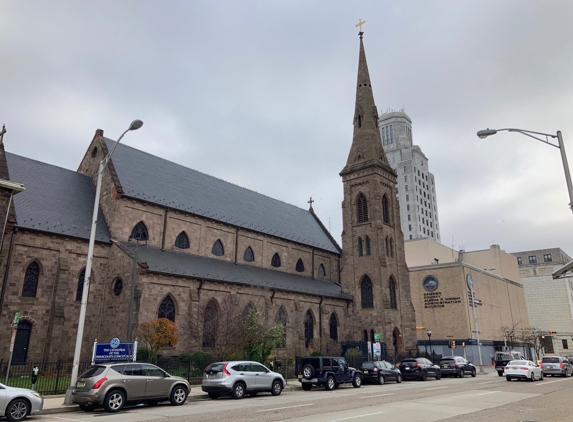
(316, 353)
(185, 357)
(353, 352)
(165, 359)
(200, 360)
(142, 354)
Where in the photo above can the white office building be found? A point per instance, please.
(416, 189)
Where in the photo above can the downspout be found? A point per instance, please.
(164, 229)
(236, 244)
(312, 265)
(7, 269)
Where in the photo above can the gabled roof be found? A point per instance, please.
(146, 177)
(56, 200)
(194, 266)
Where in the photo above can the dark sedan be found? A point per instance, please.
(419, 368)
(380, 371)
(457, 366)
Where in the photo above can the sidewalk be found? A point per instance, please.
(55, 404)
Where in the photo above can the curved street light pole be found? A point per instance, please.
(488, 132)
(136, 124)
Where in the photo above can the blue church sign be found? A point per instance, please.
(114, 351)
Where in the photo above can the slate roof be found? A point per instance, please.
(56, 200)
(147, 177)
(187, 265)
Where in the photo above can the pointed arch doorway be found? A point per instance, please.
(397, 340)
(22, 343)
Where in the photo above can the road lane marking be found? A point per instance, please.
(435, 388)
(489, 392)
(551, 382)
(288, 407)
(355, 417)
(489, 382)
(378, 395)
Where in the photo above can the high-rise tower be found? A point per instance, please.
(416, 189)
(373, 261)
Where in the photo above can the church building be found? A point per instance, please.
(199, 251)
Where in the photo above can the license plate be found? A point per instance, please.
(446, 366)
(551, 366)
(407, 368)
(366, 371)
(81, 384)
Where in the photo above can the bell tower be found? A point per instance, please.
(374, 267)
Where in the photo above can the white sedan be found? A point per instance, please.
(522, 369)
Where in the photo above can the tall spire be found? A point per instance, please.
(366, 149)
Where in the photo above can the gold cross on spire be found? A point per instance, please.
(360, 23)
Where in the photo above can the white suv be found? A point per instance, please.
(239, 378)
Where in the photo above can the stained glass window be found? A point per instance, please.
(276, 261)
(31, 280)
(249, 255)
(139, 232)
(218, 249)
(366, 292)
(182, 241)
(167, 309)
(299, 265)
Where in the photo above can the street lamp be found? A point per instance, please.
(488, 132)
(136, 124)
(470, 283)
(429, 333)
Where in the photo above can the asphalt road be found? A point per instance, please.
(484, 398)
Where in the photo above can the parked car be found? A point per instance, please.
(522, 369)
(419, 368)
(239, 378)
(17, 403)
(113, 385)
(556, 365)
(456, 366)
(327, 371)
(380, 371)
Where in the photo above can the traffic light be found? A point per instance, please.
(463, 344)
(449, 344)
(453, 344)
(552, 332)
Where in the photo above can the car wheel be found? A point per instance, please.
(508, 378)
(438, 375)
(308, 371)
(238, 391)
(423, 376)
(306, 387)
(532, 377)
(399, 379)
(541, 376)
(87, 407)
(500, 373)
(178, 395)
(330, 383)
(114, 401)
(473, 373)
(461, 373)
(357, 381)
(277, 388)
(214, 396)
(381, 379)
(17, 410)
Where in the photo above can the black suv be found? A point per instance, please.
(419, 368)
(456, 366)
(327, 371)
(380, 371)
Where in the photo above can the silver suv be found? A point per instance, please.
(556, 365)
(112, 385)
(239, 378)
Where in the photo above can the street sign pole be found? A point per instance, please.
(12, 341)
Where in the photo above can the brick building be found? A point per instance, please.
(200, 252)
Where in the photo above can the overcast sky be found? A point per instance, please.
(261, 94)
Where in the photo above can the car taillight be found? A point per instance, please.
(99, 383)
(506, 367)
(541, 365)
(416, 365)
(375, 370)
(455, 365)
(225, 370)
(561, 365)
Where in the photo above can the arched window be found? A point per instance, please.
(249, 255)
(80, 289)
(387, 246)
(321, 271)
(167, 309)
(217, 248)
(366, 292)
(367, 245)
(276, 261)
(365, 336)
(372, 336)
(333, 327)
(391, 248)
(392, 292)
(360, 251)
(362, 208)
(139, 232)
(182, 241)
(210, 324)
(282, 319)
(308, 328)
(117, 286)
(300, 265)
(385, 209)
(31, 280)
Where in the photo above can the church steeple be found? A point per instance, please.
(366, 149)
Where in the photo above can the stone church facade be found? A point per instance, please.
(200, 251)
